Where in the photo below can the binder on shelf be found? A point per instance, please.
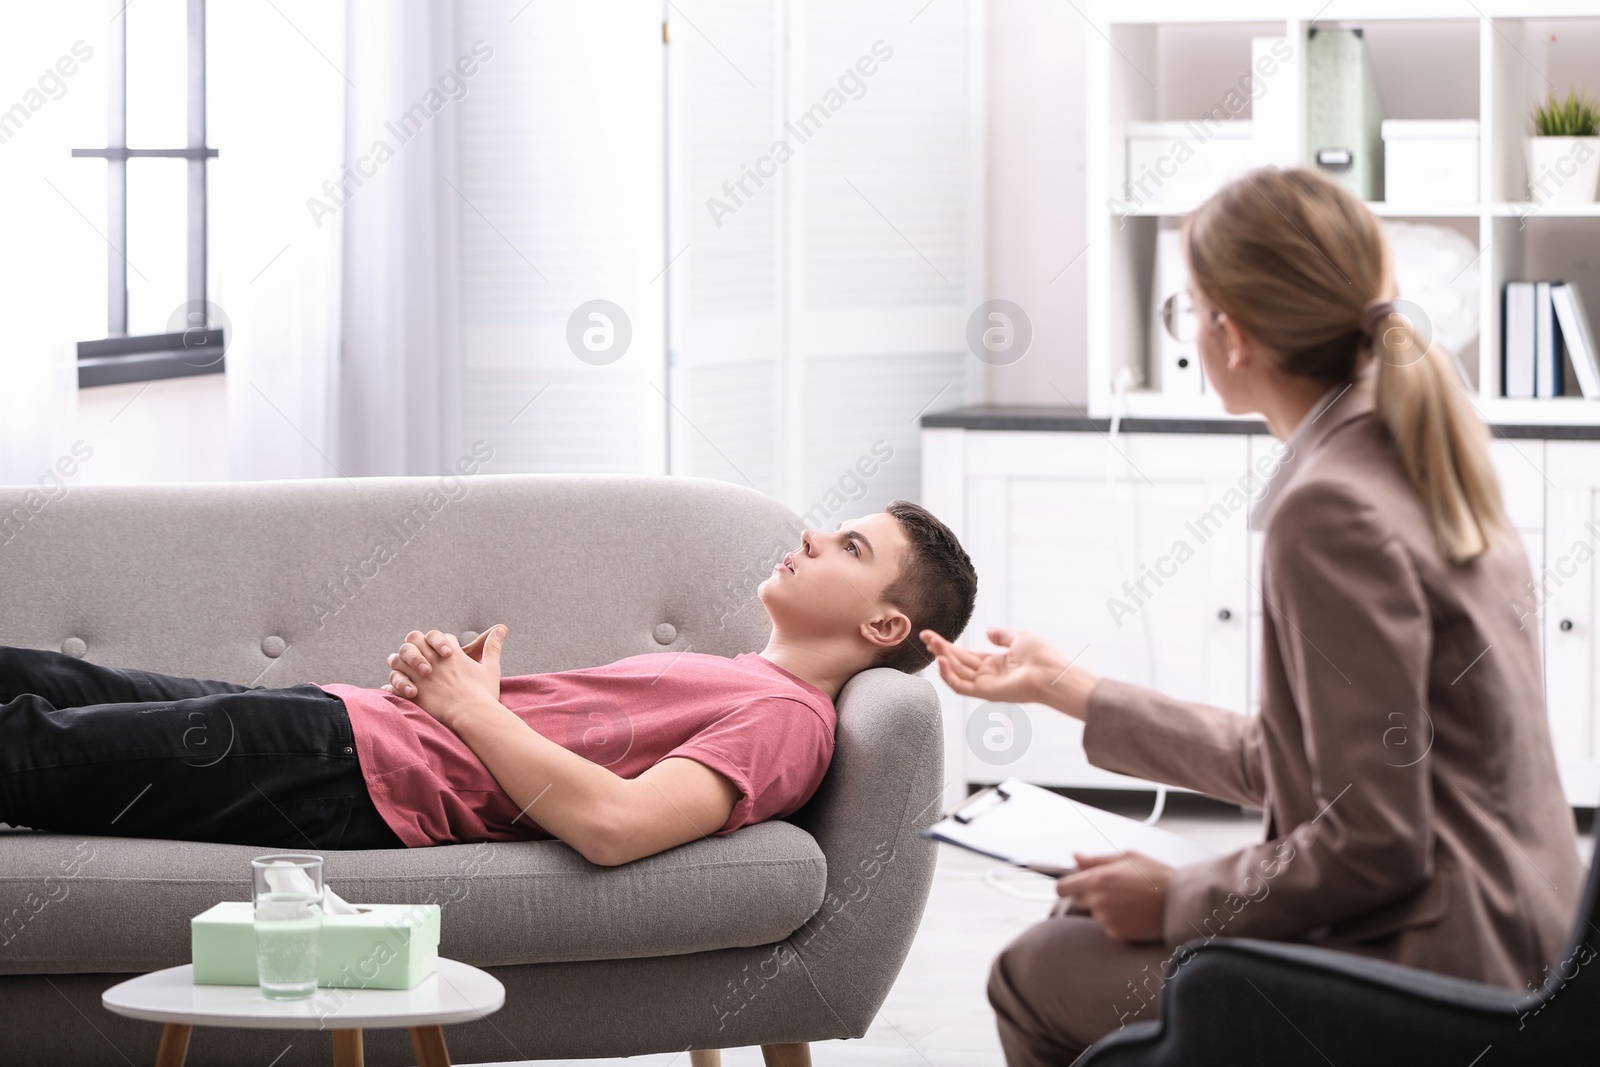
(1344, 116)
(1174, 365)
(1517, 345)
(1577, 337)
(1547, 355)
(1033, 828)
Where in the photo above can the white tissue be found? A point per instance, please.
(284, 877)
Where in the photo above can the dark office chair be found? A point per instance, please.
(1245, 1003)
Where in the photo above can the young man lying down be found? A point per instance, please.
(619, 761)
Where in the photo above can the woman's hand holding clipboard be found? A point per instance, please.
(1114, 867)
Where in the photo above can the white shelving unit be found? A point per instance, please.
(1434, 59)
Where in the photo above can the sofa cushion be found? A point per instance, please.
(108, 904)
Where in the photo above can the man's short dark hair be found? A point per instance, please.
(936, 586)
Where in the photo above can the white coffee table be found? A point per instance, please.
(455, 993)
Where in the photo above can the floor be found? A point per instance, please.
(936, 1014)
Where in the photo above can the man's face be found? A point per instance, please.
(833, 582)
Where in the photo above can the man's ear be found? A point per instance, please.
(887, 629)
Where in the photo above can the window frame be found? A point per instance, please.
(119, 358)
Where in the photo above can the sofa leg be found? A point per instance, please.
(787, 1055)
(705, 1057)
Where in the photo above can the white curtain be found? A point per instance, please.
(828, 170)
(333, 234)
(275, 271)
(400, 377)
(561, 209)
(52, 266)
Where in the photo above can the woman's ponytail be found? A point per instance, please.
(1440, 437)
(1300, 264)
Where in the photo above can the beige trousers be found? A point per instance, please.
(1064, 984)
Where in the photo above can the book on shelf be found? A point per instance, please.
(1546, 327)
(1517, 347)
(1578, 338)
(1547, 379)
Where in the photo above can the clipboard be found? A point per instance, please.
(1032, 828)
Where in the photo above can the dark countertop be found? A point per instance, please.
(1074, 420)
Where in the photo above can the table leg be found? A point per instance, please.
(428, 1043)
(174, 1045)
(347, 1048)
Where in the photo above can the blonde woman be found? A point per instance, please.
(1401, 752)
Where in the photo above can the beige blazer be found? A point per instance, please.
(1401, 753)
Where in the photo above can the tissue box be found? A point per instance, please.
(383, 946)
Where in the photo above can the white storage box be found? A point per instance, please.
(1182, 163)
(1430, 162)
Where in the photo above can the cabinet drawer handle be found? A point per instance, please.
(1224, 614)
(1565, 624)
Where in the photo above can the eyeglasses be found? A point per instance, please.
(1179, 317)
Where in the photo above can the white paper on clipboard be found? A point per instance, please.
(1034, 828)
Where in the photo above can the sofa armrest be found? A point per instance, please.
(883, 787)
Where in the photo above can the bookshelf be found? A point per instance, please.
(1434, 59)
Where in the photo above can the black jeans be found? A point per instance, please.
(86, 749)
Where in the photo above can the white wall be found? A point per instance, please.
(1036, 193)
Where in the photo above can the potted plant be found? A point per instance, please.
(1564, 153)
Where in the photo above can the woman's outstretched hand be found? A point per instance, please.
(1028, 669)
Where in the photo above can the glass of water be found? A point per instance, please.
(288, 924)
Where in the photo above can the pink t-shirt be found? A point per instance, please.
(766, 730)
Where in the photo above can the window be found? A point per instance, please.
(193, 340)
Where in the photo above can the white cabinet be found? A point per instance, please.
(1132, 553)
(1129, 552)
(1568, 589)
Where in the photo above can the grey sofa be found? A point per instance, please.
(782, 933)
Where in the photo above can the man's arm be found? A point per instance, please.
(607, 818)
